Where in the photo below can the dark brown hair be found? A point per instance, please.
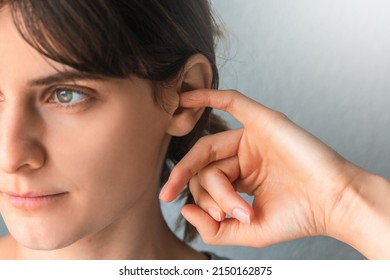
(152, 39)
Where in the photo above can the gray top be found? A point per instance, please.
(213, 256)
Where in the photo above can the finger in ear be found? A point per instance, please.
(197, 74)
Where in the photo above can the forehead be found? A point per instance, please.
(19, 62)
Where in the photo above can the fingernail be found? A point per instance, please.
(241, 215)
(215, 214)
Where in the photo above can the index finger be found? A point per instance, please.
(238, 105)
(208, 149)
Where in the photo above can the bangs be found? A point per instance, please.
(85, 35)
(118, 38)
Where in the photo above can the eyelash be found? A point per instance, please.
(65, 106)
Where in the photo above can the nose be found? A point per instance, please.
(20, 146)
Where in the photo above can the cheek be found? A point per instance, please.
(109, 162)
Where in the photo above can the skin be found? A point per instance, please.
(301, 187)
(101, 153)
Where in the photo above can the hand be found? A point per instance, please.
(296, 180)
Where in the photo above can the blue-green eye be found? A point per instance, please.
(68, 96)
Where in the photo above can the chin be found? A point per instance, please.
(46, 240)
(42, 244)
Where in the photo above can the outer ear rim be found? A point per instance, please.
(193, 61)
(197, 74)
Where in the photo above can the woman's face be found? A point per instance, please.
(76, 154)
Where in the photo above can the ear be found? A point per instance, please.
(197, 74)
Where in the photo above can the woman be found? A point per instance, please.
(90, 122)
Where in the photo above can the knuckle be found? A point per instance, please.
(276, 115)
(193, 186)
(228, 102)
(197, 198)
(206, 174)
(208, 240)
(234, 92)
(183, 171)
(205, 148)
(203, 142)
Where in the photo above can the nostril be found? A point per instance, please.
(21, 128)
(21, 156)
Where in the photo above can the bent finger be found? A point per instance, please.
(216, 181)
(205, 201)
(227, 232)
(207, 150)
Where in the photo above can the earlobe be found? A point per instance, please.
(197, 74)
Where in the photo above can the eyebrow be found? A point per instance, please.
(61, 77)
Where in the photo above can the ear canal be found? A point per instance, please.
(185, 87)
(178, 110)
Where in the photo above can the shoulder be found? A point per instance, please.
(7, 248)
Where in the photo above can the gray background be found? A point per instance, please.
(326, 65)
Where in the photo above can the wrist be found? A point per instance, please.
(361, 216)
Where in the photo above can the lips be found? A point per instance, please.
(31, 201)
